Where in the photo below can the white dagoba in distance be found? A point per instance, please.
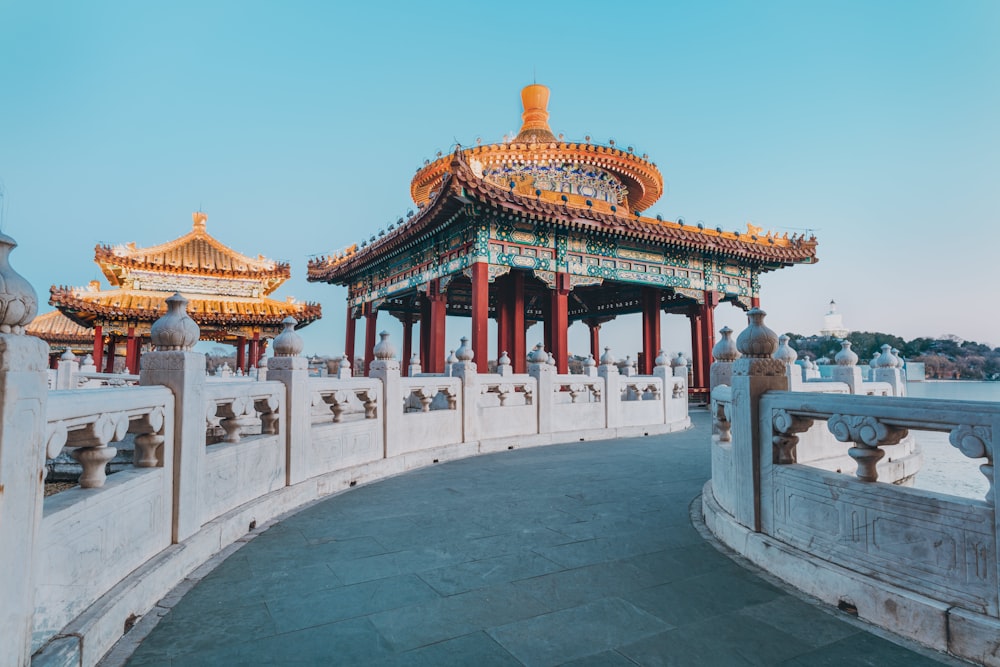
(833, 323)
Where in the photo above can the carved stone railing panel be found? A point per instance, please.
(872, 422)
(721, 410)
(427, 393)
(641, 388)
(88, 424)
(786, 426)
(580, 388)
(345, 399)
(242, 409)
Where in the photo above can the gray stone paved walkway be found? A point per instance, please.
(580, 554)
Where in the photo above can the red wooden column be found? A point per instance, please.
(697, 345)
(595, 339)
(371, 324)
(130, 349)
(241, 356)
(755, 302)
(518, 350)
(407, 342)
(98, 353)
(138, 354)
(559, 322)
(433, 311)
(650, 297)
(109, 366)
(480, 315)
(352, 327)
(503, 292)
(256, 349)
(708, 333)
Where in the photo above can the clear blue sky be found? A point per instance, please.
(297, 127)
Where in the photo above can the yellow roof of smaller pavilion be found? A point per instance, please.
(196, 253)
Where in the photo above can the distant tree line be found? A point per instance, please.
(947, 357)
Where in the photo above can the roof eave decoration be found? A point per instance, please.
(460, 185)
(84, 309)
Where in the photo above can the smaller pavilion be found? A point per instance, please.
(61, 333)
(227, 293)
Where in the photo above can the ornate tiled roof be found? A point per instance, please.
(637, 182)
(197, 253)
(85, 306)
(55, 328)
(460, 186)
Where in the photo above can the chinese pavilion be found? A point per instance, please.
(538, 228)
(227, 293)
(61, 333)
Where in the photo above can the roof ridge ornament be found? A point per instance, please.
(199, 219)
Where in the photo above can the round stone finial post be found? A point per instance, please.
(288, 343)
(383, 350)
(175, 330)
(785, 353)
(679, 361)
(899, 358)
(589, 362)
(725, 349)
(18, 300)
(886, 359)
(504, 360)
(607, 359)
(67, 355)
(757, 340)
(538, 355)
(464, 353)
(452, 359)
(661, 359)
(846, 356)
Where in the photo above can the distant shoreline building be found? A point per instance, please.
(227, 293)
(833, 323)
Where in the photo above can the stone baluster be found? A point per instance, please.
(724, 353)
(175, 365)
(590, 366)
(788, 356)
(869, 435)
(886, 370)
(449, 363)
(544, 374)
(608, 370)
(385, 367)
(503, 365)
(786, 428)
(464, 367)
(66, 370)
(289, 367)
(23, 398)
(754, 373)
(679, 366)
(414, 369)
(846, 370)
(344, 371)
(664, 372)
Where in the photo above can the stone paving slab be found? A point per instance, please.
(578, 554)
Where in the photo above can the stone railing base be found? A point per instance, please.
(930, 622)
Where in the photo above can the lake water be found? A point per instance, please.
(945, 469)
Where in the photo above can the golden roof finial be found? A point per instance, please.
(535, 128)
(199, 220)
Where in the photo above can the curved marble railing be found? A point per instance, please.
(921, 564)
(215, 459)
